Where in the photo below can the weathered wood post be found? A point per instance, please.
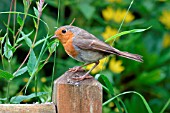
(71, 96)
(27, 108)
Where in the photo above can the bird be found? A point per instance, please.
(85, 47)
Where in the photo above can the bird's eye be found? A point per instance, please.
(64, 31)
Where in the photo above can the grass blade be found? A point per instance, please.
(108, 84)
(111, 91)
(166, 105)
(128, 92)
(126, 32)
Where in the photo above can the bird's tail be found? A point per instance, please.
(135, 57)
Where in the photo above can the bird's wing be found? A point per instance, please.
(90, 42)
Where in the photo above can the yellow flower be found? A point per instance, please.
(120, 14)
(162, 0)
(108, 13)
(166, 40)
(43, 79)
(111, 1)
(117, 110)
(116, 66)
(33, 89)
(165, 18)
(117, 15)
(111, 104)
(100, 66)
(25, 79)
(109, 32)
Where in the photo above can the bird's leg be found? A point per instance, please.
(75, 69)
(78, 68)
(87, 74)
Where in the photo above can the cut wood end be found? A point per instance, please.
(66, 78)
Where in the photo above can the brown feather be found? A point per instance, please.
(94, 44)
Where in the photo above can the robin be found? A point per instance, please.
(85, 47)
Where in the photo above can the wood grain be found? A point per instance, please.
(28, 108)
(71, 96)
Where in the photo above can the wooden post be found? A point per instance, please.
(71, 96)
(27, 108)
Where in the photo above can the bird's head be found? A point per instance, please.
(64, 33)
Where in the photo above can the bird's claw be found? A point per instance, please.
(75, 69)
(80, 78)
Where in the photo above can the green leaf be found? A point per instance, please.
(164, 57)
(24, 36)
(35, 24)
(52, 45)
(7, 51)
(18, 99)
(3, 38)
(108, 84)
(52, 22)
(148, 78)
(21, 71)
(36, 11)
(31, 62)
(28, 42)
(3, 99)
(43, 49)
(11, 48)
(86, 9)
(19, 20)
(6, 75)
(9, 28)
(126, 32)
(39, 42)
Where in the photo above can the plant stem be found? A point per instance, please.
(54, 65)
(8, 89)
(14, 19)
(9, 17)
(23, 61)
(21, 27)
(53, 73)
(36, 85)
(9, 64)
(2, 58)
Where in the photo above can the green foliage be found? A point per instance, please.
(36, 11)
(31, 62)
(7, 50)
(19, 99)
(5, 75)
(21, 71)
(19, 20)
(86, 7)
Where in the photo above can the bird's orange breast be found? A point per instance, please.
(69, 48)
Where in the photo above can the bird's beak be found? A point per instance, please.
(54, 37)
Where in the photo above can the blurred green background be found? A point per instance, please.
(103, 18)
